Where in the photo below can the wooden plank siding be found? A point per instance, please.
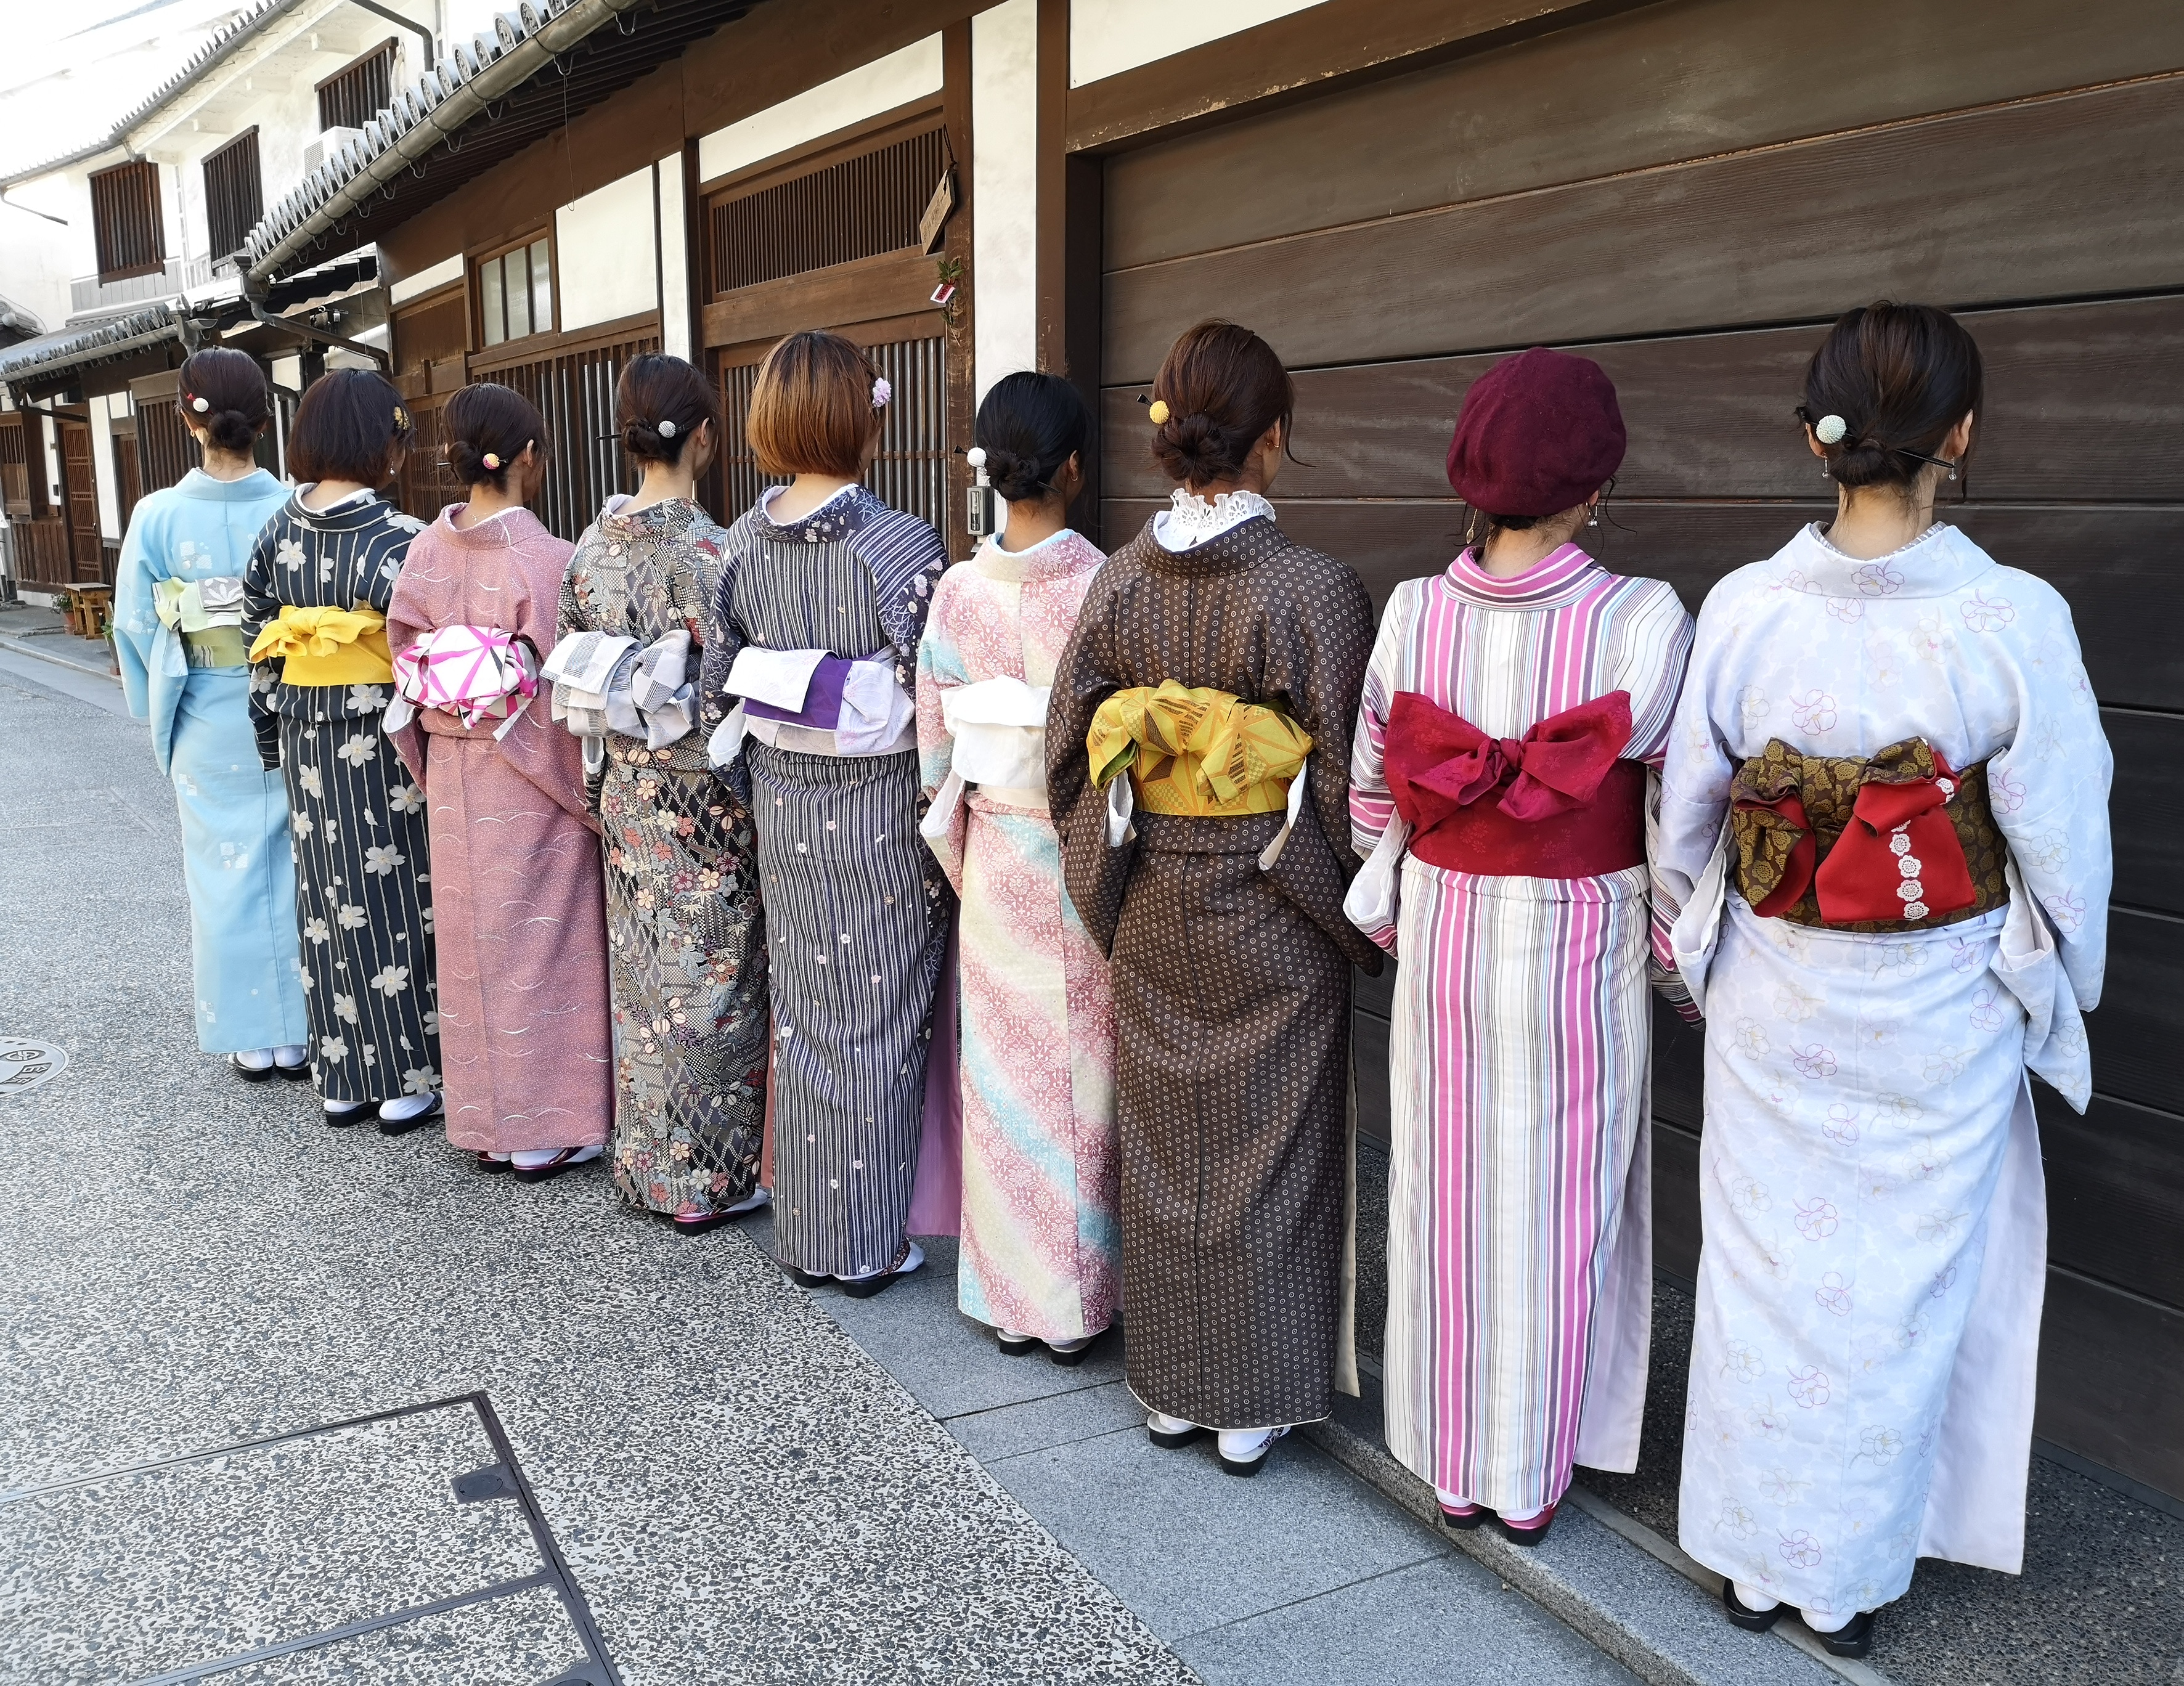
(1688, 192)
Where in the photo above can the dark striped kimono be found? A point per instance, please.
(364, 906)
(856, 908)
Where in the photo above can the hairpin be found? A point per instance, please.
(1828, 430)
(401, 420)
(200, 405)
(664, 428)
(1158, 413)
(882, 392)
(492, 462)
(976, 456)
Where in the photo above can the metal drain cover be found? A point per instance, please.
(25, 1065)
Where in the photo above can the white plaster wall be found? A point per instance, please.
(1108, 36)
(1004, 174)
(913, 73)
(674, 258)
(425, 280)
(37, 256)
(605, 254)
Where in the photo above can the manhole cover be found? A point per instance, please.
(25, 1065)
(404, 1548)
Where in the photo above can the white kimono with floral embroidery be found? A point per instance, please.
(1874, 1215)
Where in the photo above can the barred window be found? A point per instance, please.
(357, 92)
(235, 193)
(126, 222)
(515, 292)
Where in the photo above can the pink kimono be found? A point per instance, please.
(520, 918)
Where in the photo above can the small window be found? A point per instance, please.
(357, 92)
(235, 193)
(515, 293)
(126, 225)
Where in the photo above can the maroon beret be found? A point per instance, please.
(1539, 433)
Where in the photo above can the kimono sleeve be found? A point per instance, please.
(940, 669)
(1372, 804)
(136, 628)
(1696, 767)
(260, 604)
(407, 621)
(1656, 652)
(724, 642)
(1095, 872)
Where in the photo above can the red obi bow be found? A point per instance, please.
(1438, 762)
(1569, 807)
(1899, 858)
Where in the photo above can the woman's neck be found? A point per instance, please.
(328, 493)
(804, 494)
(487, 500)
(1509, 552)
(1031, 521)
(1874, 521)
(229, 466)
(663, 483)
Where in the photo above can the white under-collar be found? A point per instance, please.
(1189, 520)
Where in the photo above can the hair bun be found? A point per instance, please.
(1014, 476)
(231, 430)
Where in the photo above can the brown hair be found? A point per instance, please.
(231, 388)
(655, 388)
(812, 411)
(485, 419)
(346, 426)
(1223, 387)
(1900, 376)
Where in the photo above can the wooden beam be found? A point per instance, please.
(1050, 190)
(895, 284)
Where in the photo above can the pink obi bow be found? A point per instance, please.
(1438, 762)
(475, 673)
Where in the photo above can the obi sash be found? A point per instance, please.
(815, 703)
(207, 615)
(326, 646)
(603, 682)
(1899, 841)
(1199, 753)
(474, 673)
(999, 726)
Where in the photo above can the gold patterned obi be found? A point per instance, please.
(1197, 752)
(1899, 841)
(327, 646)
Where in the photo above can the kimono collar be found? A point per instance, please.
(252, 488)
(1056, 558)
(352, 515)
(1558, 577)
(1189, 520)
(659, 522)
(831, 522)
(1938, 563)
(511, 526)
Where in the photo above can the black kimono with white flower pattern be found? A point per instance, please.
(363, 905)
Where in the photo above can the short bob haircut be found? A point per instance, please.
(347, 426)
(660, 402)
(813, 410)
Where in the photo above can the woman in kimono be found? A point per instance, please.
(185, 666)
(314, 611)
(1514, 707)
(822, 601)
(1039, 1259)
(1213, 678)
(521, 931)
(1886, 801)
(686, 953)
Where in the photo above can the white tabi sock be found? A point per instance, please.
(752, 1201)
(910, 1262)
(407, 1106)
(1161, 1423)
(1454, 1502)
(1821, 1622)
(1245, 1445)
(1077, 1345)
(292, 1054)
(254, 1059)
(530, 1159)
(1752, 1598)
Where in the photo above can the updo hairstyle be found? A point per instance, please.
(488, 419)
(655, 389)
(348, 425)
(231, 388)
(1223, 387)
(1900, 376)
(1028, 426)
(814, 408)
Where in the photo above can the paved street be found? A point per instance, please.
(705, 1474)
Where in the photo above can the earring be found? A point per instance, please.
(1826, 473)
(1595, 521)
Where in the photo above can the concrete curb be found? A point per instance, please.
(21, 646)
(1652, 1608)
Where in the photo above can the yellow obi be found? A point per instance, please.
(327, 646)
(1199, 752)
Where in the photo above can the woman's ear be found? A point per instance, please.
(1813, 441)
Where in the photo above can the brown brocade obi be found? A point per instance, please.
(1900, 842)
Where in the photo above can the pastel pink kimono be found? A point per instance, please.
(519, 908)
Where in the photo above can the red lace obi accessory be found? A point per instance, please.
(1558, 803)
(1895, 841)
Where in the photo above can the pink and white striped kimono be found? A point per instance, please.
(1520, 1233)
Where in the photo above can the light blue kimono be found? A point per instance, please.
(236, 854)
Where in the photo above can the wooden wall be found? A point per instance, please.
(1688, 192)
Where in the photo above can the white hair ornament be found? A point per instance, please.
(1828, 430)
(664, 428)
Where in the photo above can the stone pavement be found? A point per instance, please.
(282, 1404)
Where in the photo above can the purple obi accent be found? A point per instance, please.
(822, 699)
